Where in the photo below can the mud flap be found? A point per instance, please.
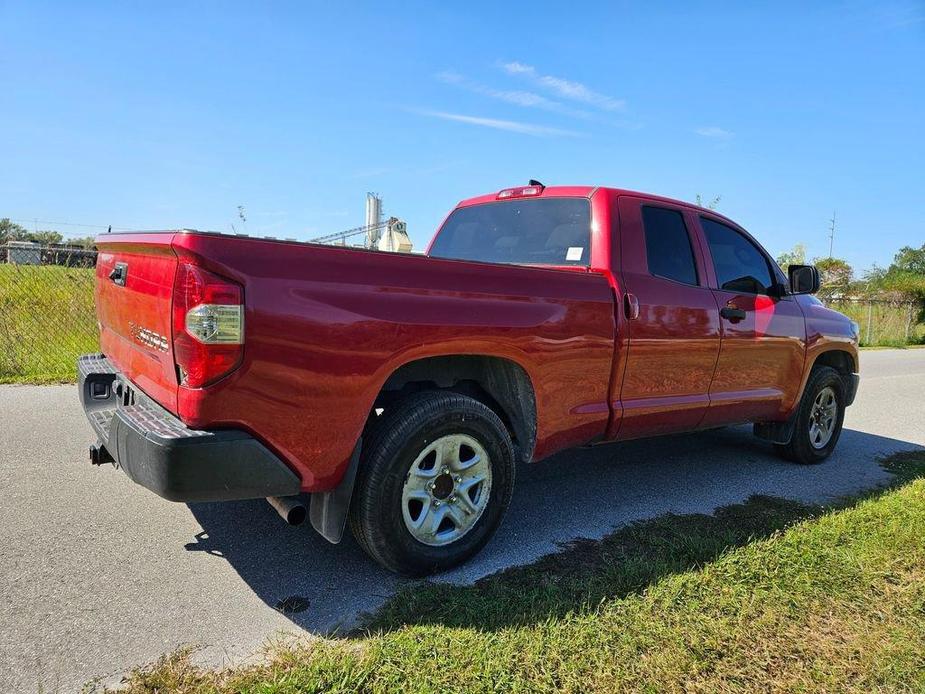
(328, 510)
(776, 432)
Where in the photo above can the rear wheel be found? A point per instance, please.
(436, 477)
(818, 420)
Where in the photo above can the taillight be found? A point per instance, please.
(208, 325)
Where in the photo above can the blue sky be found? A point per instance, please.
(163, 115)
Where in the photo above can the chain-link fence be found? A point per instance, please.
(47, 317)
(883, 322)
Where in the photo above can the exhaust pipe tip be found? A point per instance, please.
(296, 515)
(290, 508)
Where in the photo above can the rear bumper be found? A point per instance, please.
(158, 451)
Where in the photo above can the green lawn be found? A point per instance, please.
(47, 320)
(769, 595)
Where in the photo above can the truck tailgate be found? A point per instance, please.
(134, 288)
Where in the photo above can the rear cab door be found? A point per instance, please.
(672, 318)
(760, 363)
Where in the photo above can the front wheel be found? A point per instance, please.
(435, 479)
(818, 420)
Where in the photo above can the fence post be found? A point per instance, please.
(909, 322)
(870, 308)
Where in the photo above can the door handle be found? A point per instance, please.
(118, 273)
(732, 314)
(631, 306)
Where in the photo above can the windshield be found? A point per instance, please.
(551, 231)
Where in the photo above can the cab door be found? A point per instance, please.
(760, 363)
(672, 319)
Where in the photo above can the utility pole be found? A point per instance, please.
(831, 233)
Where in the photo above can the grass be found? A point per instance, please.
(769, 595)
(900, 346)
(891, 325)
(47, 320)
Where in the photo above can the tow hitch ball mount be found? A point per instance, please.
(99, 455)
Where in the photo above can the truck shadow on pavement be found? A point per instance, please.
(586, 493)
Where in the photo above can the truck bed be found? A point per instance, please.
(326, 326)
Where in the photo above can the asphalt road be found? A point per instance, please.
(98, 575)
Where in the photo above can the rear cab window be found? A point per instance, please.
(538, 231)
(739, 265)
(668, 245)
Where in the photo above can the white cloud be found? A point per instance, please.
(516, 68)
(508, 125)
(714, 132)
(564, 88)
(517, 97)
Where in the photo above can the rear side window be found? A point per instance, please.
(551, 231)
(739, 265)
(668, 245)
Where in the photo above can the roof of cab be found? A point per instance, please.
(548, 192)
(587, 192)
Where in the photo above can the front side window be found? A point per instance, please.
(551, 231)
(740, 266)
(668, 245)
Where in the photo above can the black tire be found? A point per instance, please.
(800, 449)
(390, 448)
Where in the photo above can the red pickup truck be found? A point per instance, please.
(399, 391)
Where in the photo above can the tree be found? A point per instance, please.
(835, 275)
(906, 276)
(45, 238)
(909, 259)
(83, 241)
(10, 231)
(795, 256)
(873, 277)
(903, 280)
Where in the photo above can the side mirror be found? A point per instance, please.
(804, 279)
